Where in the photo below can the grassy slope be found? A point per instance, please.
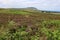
(34, 26)
(13, 11)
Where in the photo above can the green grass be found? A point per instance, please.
(14, 12)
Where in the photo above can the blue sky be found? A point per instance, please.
(52, 5)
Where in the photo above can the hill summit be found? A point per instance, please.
(31, 8)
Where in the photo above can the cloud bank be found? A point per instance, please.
(53, 5)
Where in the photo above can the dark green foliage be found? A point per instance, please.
(45, 31)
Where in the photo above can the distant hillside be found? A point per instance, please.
(27, 9)
(18, 10)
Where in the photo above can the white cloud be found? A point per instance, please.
(41, 4)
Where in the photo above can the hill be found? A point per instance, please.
(28, 9)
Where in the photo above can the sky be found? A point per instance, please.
(50, 5)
